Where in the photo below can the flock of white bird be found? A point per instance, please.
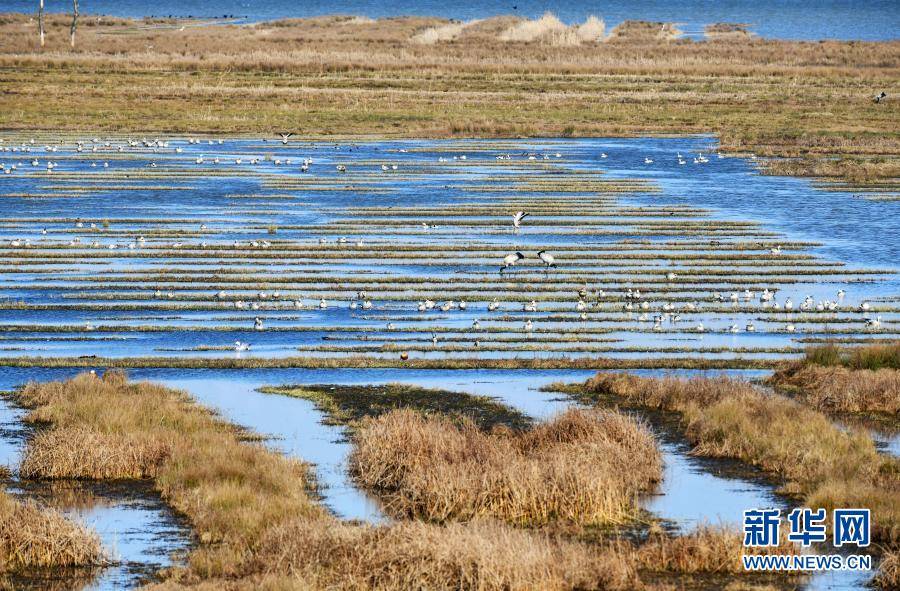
(634, 302)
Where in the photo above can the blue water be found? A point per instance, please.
(843, 19)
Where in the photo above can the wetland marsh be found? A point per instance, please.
(388, 350)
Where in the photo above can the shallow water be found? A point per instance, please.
(100, 291)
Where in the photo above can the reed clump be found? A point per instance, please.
(874, 357)
(32, 536)
(845, 380)
(579, 468)
(818, 462)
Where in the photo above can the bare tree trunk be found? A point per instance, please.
(41, 20)
(74, 22)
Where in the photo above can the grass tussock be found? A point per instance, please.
(579, 468)
(550, 30)
(826, 466)
(41, 537)
(99, 455)
(442, 33)
(845, 380)
(888, 576)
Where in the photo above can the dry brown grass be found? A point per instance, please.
(826, 466)
(34, 536)
(838, 389)
(888, 576)
(98, 455)
(580, 468)
(258, 526)
(667, 392)
(231, 490)
(415, 555)
(707, 549)
(352, 77)
(549, 30)
(852, 379)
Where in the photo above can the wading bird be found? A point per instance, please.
(511, 259)
(547, 258)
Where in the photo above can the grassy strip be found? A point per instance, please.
(874, 357)
(846, 380)
(820, 463)
(362, 362)
(32, 536)
(258, 526)
(347, 405)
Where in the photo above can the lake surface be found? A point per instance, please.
(841, 19)
(176, 251)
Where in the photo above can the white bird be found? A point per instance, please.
(257, 323)
(511, 259)
(670, 276)
(648, 161)
(532, 307)
(323, 304)
(517, 219)
(462, 304)
(285, 137)
(751, 327)
(700, 327)
(547, 258)
(493, 305)
(529, 326)
(603, 154)
(239, 346)
(789, 328)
